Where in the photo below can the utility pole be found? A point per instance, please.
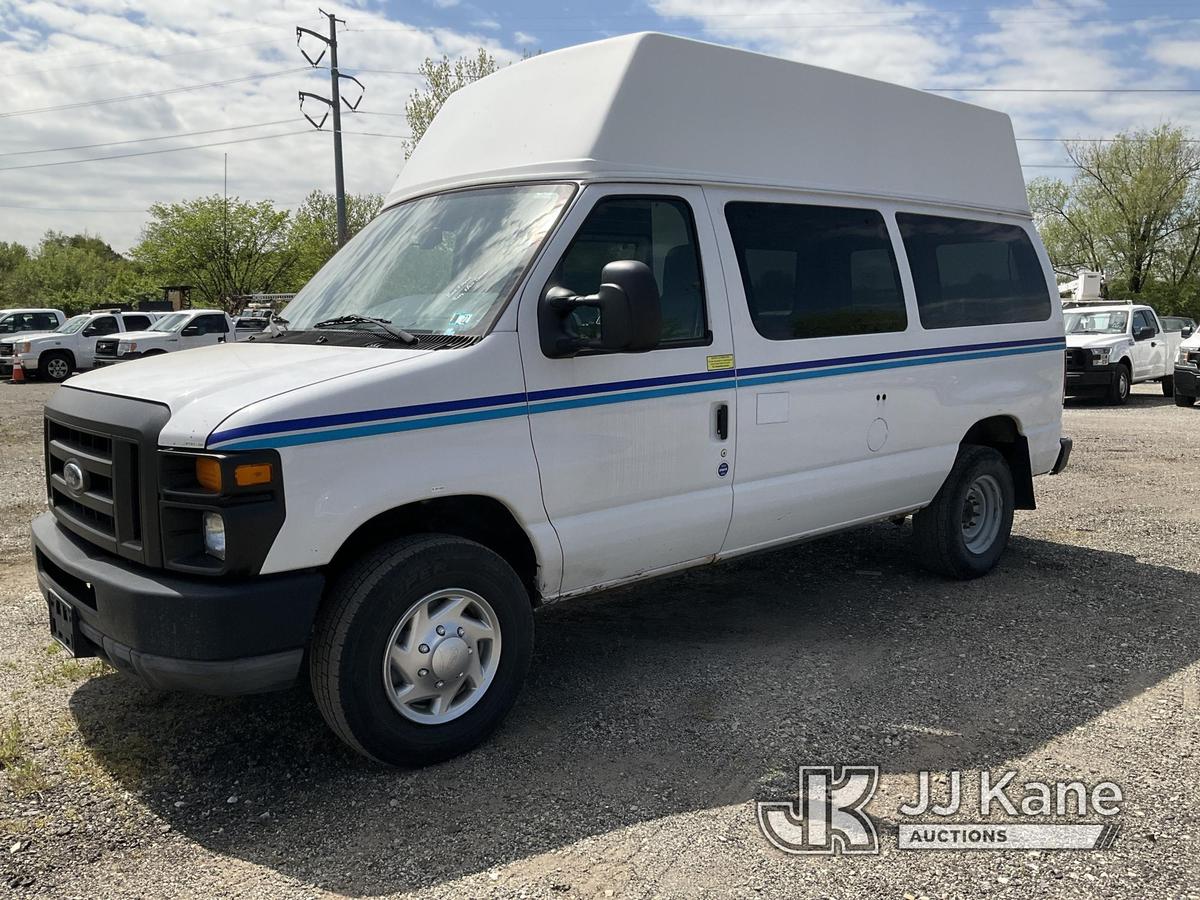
(333, 104)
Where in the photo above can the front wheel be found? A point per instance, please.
(421, 649)
(55, 367)
(1184, 400)
(964, 531)
(1118, 391)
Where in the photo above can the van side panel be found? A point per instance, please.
(842, 429)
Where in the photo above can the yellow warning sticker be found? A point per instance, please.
(717, 363)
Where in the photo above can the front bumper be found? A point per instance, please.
(1187, 382)
(6, 364)
(213, 635)
(1092, 378)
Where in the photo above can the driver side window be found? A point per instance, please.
(658, 231)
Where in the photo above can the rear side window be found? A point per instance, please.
(973, 273)
(816, 271)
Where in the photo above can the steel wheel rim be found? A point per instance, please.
(1123, 384)
(57, 368)
(983, 512)
(442, 656)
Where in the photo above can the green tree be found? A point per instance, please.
(442, 78)
(221, 248)
(314, 229)
(1132, 211)
(74, 272)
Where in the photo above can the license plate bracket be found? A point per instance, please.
(64, 622)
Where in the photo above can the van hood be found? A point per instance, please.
(1098, 341)
(205, 386)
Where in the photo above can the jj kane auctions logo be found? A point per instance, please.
(829, 814)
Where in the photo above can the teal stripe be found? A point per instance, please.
(484, 415)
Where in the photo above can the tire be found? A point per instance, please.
(358, 634)
(1122, 384)
(1184, 400)
(55, 366)
(149, 353)
(943, 539)
(1168, 386)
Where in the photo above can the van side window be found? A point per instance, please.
(973, 273)
(816, 271)
(658, 231)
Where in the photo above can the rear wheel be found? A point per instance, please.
(1168, 386)
(1118, 391)
(421, 649)
(964, 531)
(55, 366)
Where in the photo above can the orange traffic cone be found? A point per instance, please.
(18, 373)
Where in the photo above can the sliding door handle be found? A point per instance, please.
(722, 421)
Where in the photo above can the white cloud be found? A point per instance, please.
(71, 50)
(1184, 54)
(523, 38)
(446, 4)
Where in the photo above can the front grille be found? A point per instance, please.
(91, 506)
(106, 348)
(1077, 360)
(6, 349)
(115, 506)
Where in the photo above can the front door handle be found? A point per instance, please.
(722, 421)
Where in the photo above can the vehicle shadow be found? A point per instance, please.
(683, 694)
(1136, 400)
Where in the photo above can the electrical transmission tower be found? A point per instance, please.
(333, 105)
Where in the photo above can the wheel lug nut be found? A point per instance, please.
(441, 629)
(422, 672)
(424, 648)
(440, 684)
(470, 650)
(460, 631)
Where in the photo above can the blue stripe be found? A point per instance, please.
(367, 423)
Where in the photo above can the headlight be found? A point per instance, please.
(1100, 357)
(214, 535)
(126, 346)
(1181, 356)
(23, 347)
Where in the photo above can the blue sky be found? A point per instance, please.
(58, 58)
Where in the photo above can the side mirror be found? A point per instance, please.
(90, 331)
(630, 313)
(1143, 333)
(1187, 331)
(191, 331)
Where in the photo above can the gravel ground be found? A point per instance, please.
(655, 715)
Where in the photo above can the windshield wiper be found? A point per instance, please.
(382, 324)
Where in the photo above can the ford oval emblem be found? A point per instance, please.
(74, 476)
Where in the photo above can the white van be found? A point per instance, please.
(632, 307)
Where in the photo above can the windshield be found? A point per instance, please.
(1096, 322)
(173, 322)
(73, 324)
(444, 264)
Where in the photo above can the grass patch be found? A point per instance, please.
(70, 671)
(24, 777)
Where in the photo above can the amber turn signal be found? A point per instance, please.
(250, 474)
(208, 473)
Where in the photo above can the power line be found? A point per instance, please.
(74, 209)
(147, 94)
(163, 137)
(993, 90)
(72, 162)
(1111, 140)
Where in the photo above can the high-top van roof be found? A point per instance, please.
(661, 108)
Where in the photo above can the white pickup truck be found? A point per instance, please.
(1111, 348)
(71, 347)
(174, 331)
